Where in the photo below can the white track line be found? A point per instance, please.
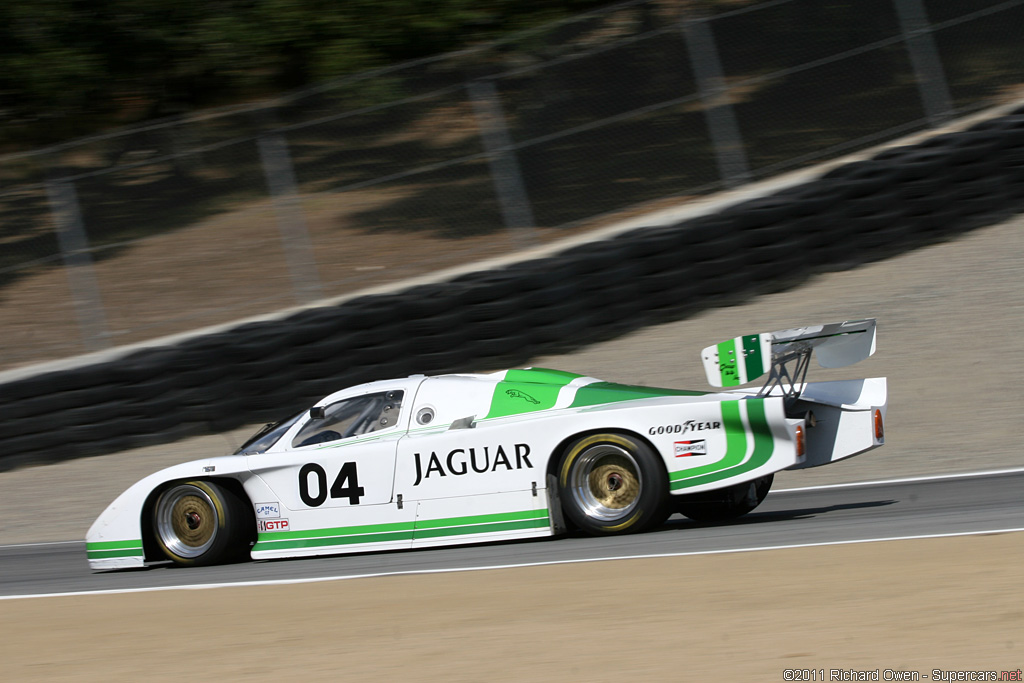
(452, 570)
(34, 545)
(906, 480)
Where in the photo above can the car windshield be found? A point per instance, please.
(267, 436)
(352, 417)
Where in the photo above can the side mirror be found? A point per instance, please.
(316, 413)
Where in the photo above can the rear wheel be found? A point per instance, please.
(725, 504)
(200, 523)
(612, 483)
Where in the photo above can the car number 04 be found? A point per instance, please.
(346, 484)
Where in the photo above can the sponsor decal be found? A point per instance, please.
(267, 510)
(685, 428)
(210, 468)
(480, 460)
(687, 448)
(517, 393)
(265, 525)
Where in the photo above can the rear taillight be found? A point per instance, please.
(801, 445)
(879, 427)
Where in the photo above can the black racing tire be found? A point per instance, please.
(612, 484)
(200, 523)
(721, 505)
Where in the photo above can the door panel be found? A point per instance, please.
(477, 519)
(339, 475)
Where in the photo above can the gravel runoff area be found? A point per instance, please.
(951, 604)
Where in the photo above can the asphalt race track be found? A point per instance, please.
(945, 602)
(822, 515)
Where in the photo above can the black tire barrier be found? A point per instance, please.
(900, 199)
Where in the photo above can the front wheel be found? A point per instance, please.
(199, 523)
(724, 504)
(612, 483)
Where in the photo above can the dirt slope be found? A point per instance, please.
(911, 606)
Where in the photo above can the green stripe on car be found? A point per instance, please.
(403, 531)
(735, 446)
(527, 391)
(764, 446)
(752, 356)
(104, 549)
(728, 364)
(606, 392)
(483, 528)
(536, 389)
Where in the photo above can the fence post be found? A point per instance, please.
(298, 250)
(501, 156)
(924, 57)
(74, 249)
(725, 131)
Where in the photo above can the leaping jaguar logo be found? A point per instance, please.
(516, 393)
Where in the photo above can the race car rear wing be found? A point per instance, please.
(786, 354)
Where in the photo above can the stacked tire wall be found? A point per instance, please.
(900, 199)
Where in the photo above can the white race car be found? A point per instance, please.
(453, 459)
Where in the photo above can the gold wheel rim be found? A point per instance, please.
(605, 482)
(186, 521)
(613, 483)
(192, 520)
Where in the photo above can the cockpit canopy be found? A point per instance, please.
(342, 419)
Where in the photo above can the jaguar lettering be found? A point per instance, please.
(480, 460)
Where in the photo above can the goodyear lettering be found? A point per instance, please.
(685, 428)
(481, 460)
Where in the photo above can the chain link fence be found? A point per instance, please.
(407, 170)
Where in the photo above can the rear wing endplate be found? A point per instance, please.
(745, 359)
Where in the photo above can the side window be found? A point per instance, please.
(352, 417)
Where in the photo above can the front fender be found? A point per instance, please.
(114, 541)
